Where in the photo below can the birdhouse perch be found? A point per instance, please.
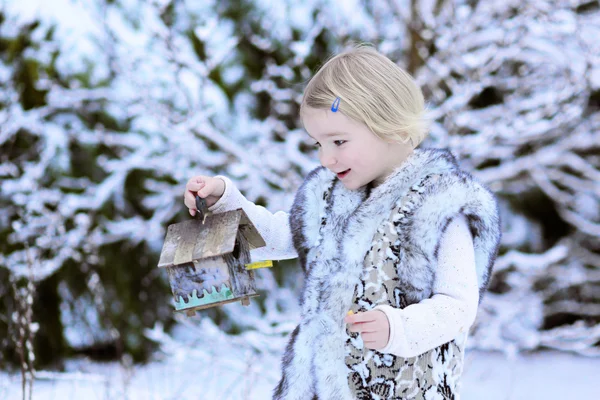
(208, 260)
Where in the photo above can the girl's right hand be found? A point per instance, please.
(209, 188)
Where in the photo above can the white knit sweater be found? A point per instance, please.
(420, 327)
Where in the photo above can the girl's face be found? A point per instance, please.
(349, 148)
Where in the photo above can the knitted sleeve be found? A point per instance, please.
(451, 309)
(274, 228)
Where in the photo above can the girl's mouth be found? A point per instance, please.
(341, 175)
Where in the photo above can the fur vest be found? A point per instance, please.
(335, 229)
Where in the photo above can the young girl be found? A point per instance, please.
(399, 236)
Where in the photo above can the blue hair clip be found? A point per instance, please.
(336, 104)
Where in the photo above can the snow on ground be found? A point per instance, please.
(200, 362)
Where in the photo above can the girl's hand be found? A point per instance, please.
(208, 188)
(373, 327)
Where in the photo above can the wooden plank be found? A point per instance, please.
(208, 273)
(203, 307)
(242, 281)
(203, 234)
(191, 240)
(187, 242)
(222, 230)
(255, 240)
(167, 255)
(213, 238)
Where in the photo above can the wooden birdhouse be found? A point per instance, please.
(208, 260)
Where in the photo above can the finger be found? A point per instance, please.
(365, 327)
(371, 340)
(369, 327)
(360, 328)
(186, 201)
(189, 199)
(195, 183)
(206, 189)
(194, 187)
(360, 317)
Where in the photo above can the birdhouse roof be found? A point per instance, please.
(191, 240)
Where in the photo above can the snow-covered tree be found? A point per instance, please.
(108, 111)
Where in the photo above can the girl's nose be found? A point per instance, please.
(328, 161)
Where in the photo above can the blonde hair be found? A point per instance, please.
(372, 90)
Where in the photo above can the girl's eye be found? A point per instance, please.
(337, 143)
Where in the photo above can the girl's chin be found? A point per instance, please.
(351, 184)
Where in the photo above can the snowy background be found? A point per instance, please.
(108, 107)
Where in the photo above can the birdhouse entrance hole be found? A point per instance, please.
(236, 250)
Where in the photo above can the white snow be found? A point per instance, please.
(201, 362)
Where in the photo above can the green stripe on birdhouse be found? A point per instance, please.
(208, 298)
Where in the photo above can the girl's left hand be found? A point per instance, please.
(373, 327)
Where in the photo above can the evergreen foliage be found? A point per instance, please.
(101, 126)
